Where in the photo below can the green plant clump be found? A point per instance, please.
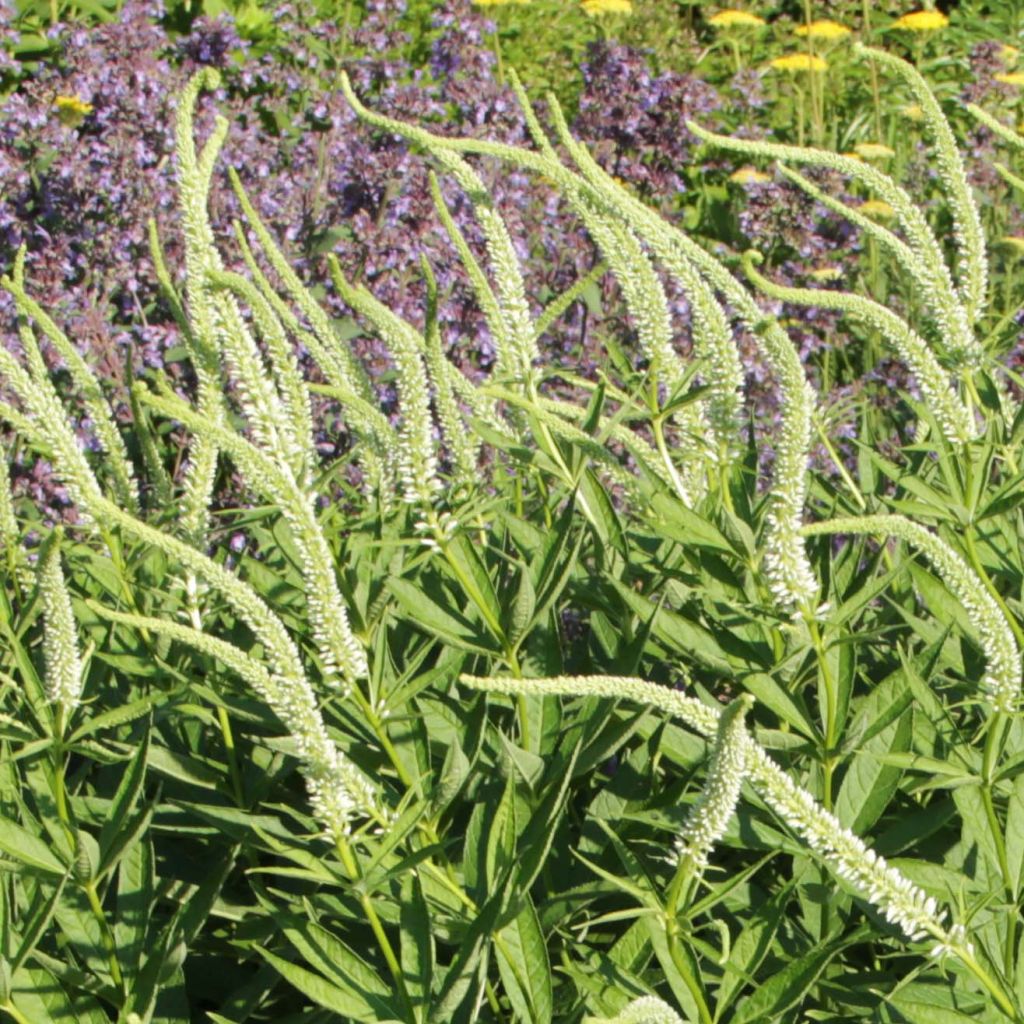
(554, 714)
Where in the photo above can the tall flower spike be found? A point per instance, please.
(790, 577)
(339, 650)
(339, 791)
(463, 444)
(942, 301)
(64, 680)
(95, 402)
(970, 238)
(504, 262)
(337, 358)
(518, 334)
(710, 815)
(418, 458)
(193, 192)
(1002, 680)
(712, 338)
(645, 299)
(645, 1010)
(10, 533)
(364, 419)
(904, 904)
(953, 416)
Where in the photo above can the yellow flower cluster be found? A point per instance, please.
(874, 151)
(921, 21)
(749, 176)
(826, 274)
(595, 8)
(800, 62)
(735, 19)
(1011, 78)
(878, 209)
(71, 111)
(823, 29)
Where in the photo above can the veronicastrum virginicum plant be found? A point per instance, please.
(952, 371)
(241, 332)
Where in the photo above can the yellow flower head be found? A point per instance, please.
(800, 62)
(921, 21)
(595, 8)
(749, 176)
(71, 110)
(913, 111)
(823, 29)
(878, 209)
(826, 274)
(735, 19)
(1011, 78)
(874, 151)
(1014, 242)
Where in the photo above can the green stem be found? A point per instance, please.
(16, 1014)
(989, 983)
(228, 737)
(106, 935)
(350, 864)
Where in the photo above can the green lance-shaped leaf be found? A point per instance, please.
(1002, 680)
(942, 301)
(967, 230)
(953, 416)
(885, 887)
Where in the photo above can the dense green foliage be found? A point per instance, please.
(549, 700)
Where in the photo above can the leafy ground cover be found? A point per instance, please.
(511, 512)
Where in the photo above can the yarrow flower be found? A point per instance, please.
(595, 8)
(735, 19)
(71, 110)
(800, 62)
(921, 21)
(874, 151)
(826, 274)
(749, 176)
(823, 29)
(877, 209)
